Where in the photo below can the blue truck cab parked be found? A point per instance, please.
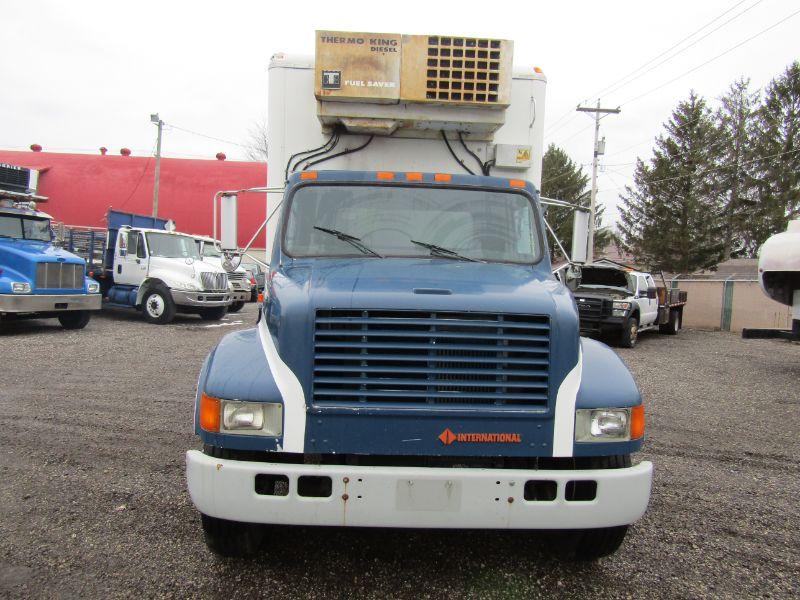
(37, 279)
(415, 363)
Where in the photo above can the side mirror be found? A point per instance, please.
(229, 232)
(580, 236)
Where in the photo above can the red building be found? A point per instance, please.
(82, 187)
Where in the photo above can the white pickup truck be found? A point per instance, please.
(617, 300)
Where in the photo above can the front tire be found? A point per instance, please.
(76, 319)
(236, 306)
(213, 314)
(158, 307)
(630, 332)
(231, 538)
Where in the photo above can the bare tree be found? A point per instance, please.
(257, 141)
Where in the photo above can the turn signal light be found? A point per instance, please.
(414, 176)
(516, 183)
(385, 175)
(209, 413)
(308, 175)
(637, 422)
(442, 177)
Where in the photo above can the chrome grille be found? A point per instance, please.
(236, 276)
(590, 307)
(421, 357)
(214, 281)
(58, 275)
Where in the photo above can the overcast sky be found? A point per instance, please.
(79, 75)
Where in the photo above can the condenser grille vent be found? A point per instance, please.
(463, 69)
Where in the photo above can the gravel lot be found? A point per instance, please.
(94, 425)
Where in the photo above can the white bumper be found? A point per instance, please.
(416, 497)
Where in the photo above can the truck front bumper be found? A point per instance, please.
(201, 299)
(36, 303)
(462, 498)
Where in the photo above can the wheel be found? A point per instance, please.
(76, 319)
(213, 314)
(630, 332)
(672, 326)
(232, 538)
(236, 306)
(591, 544)
(158, 306)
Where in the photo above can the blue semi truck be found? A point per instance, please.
(37, 279)
(415, 363)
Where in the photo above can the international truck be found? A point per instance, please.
(141, 262)
(620, 302)
(239, 279)
(415, 364)
(38, 280)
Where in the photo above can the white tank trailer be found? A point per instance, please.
(779, 276)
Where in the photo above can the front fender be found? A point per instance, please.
(145, 286)
(237, 369)
(605, 383)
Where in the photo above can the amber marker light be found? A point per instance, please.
(637, 422)
(442, 177)
(516, 183)
(413, 176)
(209, 413)
(385, 175)
(308, 175)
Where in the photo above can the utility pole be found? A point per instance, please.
(154, 119)
(597, 112)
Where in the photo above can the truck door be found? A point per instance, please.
(647, 305)
(130, 263)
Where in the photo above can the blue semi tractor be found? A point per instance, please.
(37, 279)
(415, 363)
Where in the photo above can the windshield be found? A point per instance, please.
(25, 228)
(171, 246)
(475, 224)
(208, 249)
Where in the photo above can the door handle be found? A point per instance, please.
(138, 261)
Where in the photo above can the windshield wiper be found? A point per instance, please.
(350, 239)
(445, 252)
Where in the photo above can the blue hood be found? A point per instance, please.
(18, 259)
(299, 289)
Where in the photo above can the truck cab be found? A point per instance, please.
(617, 301)
(238, 278)
(37, 279)
(415, 363)
(142, 262)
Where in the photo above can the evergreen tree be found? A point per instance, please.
(563, 179)
(672, 219)
(737, 125)
(777, 164)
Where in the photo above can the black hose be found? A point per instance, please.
(472, 154)
(342, 153)
(316, 154)
(304, 152)
(458, 160)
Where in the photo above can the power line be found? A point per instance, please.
(706, 172)
(711, 22)
(209, 137)
(614, 87)
(731, 49)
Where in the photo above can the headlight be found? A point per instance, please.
(620, 308)
(609, 424)
(245, 418)
(93, 287)
(20, 287)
